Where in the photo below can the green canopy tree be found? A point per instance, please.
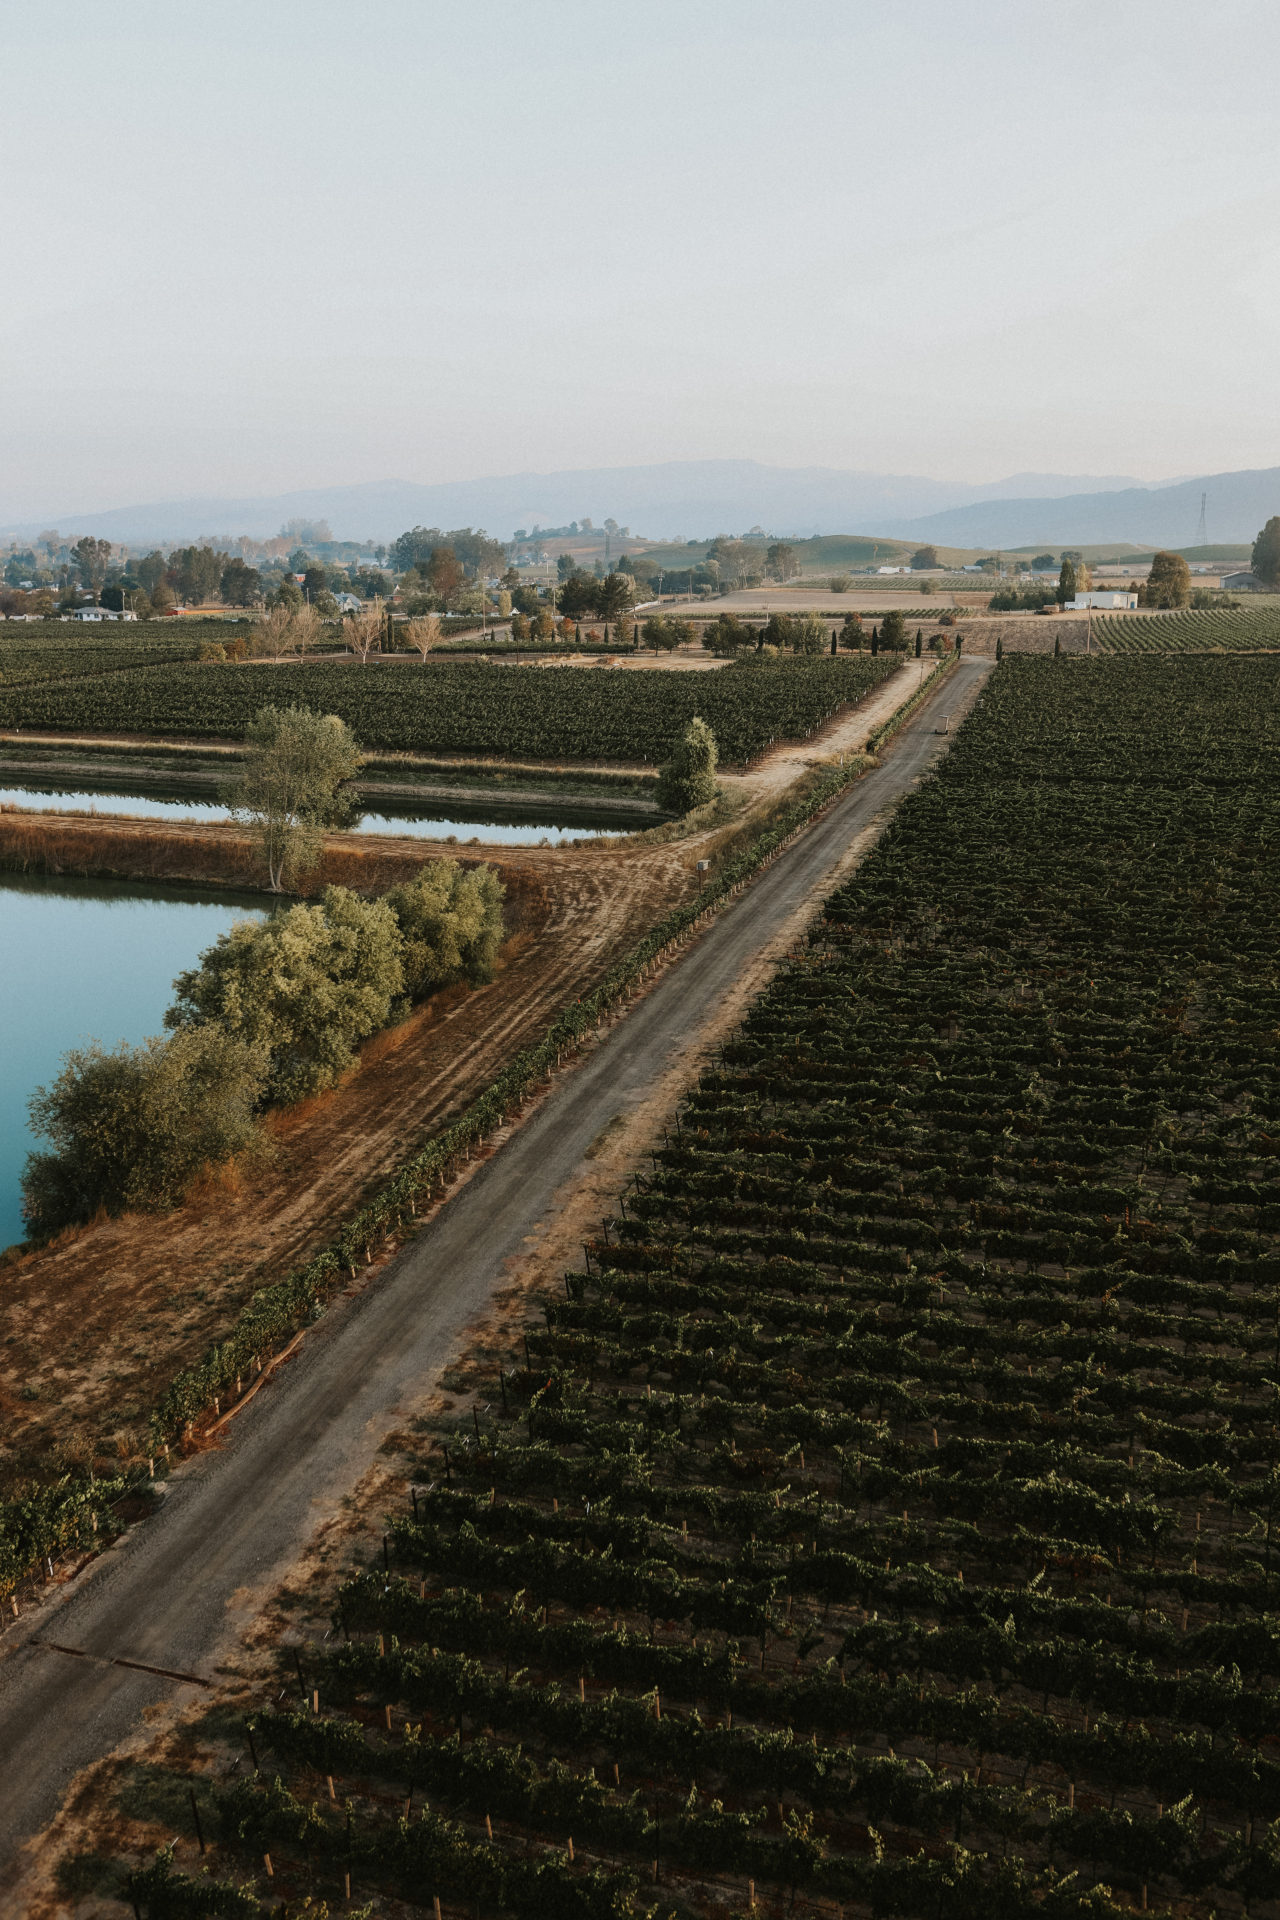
(302, 988)
(688, 779)
(450, 921)
(294, 763)
(1266, 553)
(133, 1127)
(1168, 583)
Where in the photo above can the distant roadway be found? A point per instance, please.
(158, 1605)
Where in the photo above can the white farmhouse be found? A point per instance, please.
(1108, 602)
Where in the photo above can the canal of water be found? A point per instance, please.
(491, 823)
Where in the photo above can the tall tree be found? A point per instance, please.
(780, 561)
(294, 763)
(1266, 553)
(1168, 583)
(423, 634)
(1066, 581)
(688, 779)
(240, 585)
(92, 557)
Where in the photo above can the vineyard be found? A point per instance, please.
(57, 651)
(882, 1522)
(1191, 630)
(548, 713)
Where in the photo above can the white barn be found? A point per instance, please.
(1111, 602)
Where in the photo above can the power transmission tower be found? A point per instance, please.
(1202, 529)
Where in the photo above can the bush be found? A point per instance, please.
(303, 987)
(450, 923)
(689, 778)
(132, 1127)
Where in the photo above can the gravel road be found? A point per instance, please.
(150, 1615)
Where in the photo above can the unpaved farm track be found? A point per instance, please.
(99, 1323)
(169, 1599)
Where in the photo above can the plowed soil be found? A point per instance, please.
(98, 1323)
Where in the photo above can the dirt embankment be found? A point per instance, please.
(99, 1322)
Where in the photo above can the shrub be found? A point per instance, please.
(132, 1127)
(450, 923)
(689, 778)
(304, 987)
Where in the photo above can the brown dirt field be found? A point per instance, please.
(100, 1321)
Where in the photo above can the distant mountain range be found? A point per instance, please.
(690, 498)
(696, 498)
(1237, 505)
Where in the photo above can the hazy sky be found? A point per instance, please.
(297, 242)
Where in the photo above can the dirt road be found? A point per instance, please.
(150, 1616)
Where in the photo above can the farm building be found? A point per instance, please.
(1113, 602)
(1239, 582)
(100, 613)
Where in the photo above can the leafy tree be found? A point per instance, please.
(1066, 581)
(134, 1126)
(893, 630)
(240, 585)
(924, 558)
(519, 626)
(616, 596)
(663, 631)
(566, 566)
(302, 988)
(1265, 560)
(688, 779)
(473, 548)
(1168, 583)
(851, 631)
(809, 634)
(544, 625)
(369, 582)
(195, 573)
(92, 557)
(579, 595)
(840, 582)
(149, 572)
(1042, 562)
(450, 922)
(315, 583)
(780, 561)
(294, 763)
(444, 571)
(287, 594)
(728, 635)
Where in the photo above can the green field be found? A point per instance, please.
(1215, 629)
(542, 713)
(886, 1518)
(65, 650)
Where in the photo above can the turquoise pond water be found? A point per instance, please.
(87, 960)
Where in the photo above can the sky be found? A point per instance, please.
(253, 247)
